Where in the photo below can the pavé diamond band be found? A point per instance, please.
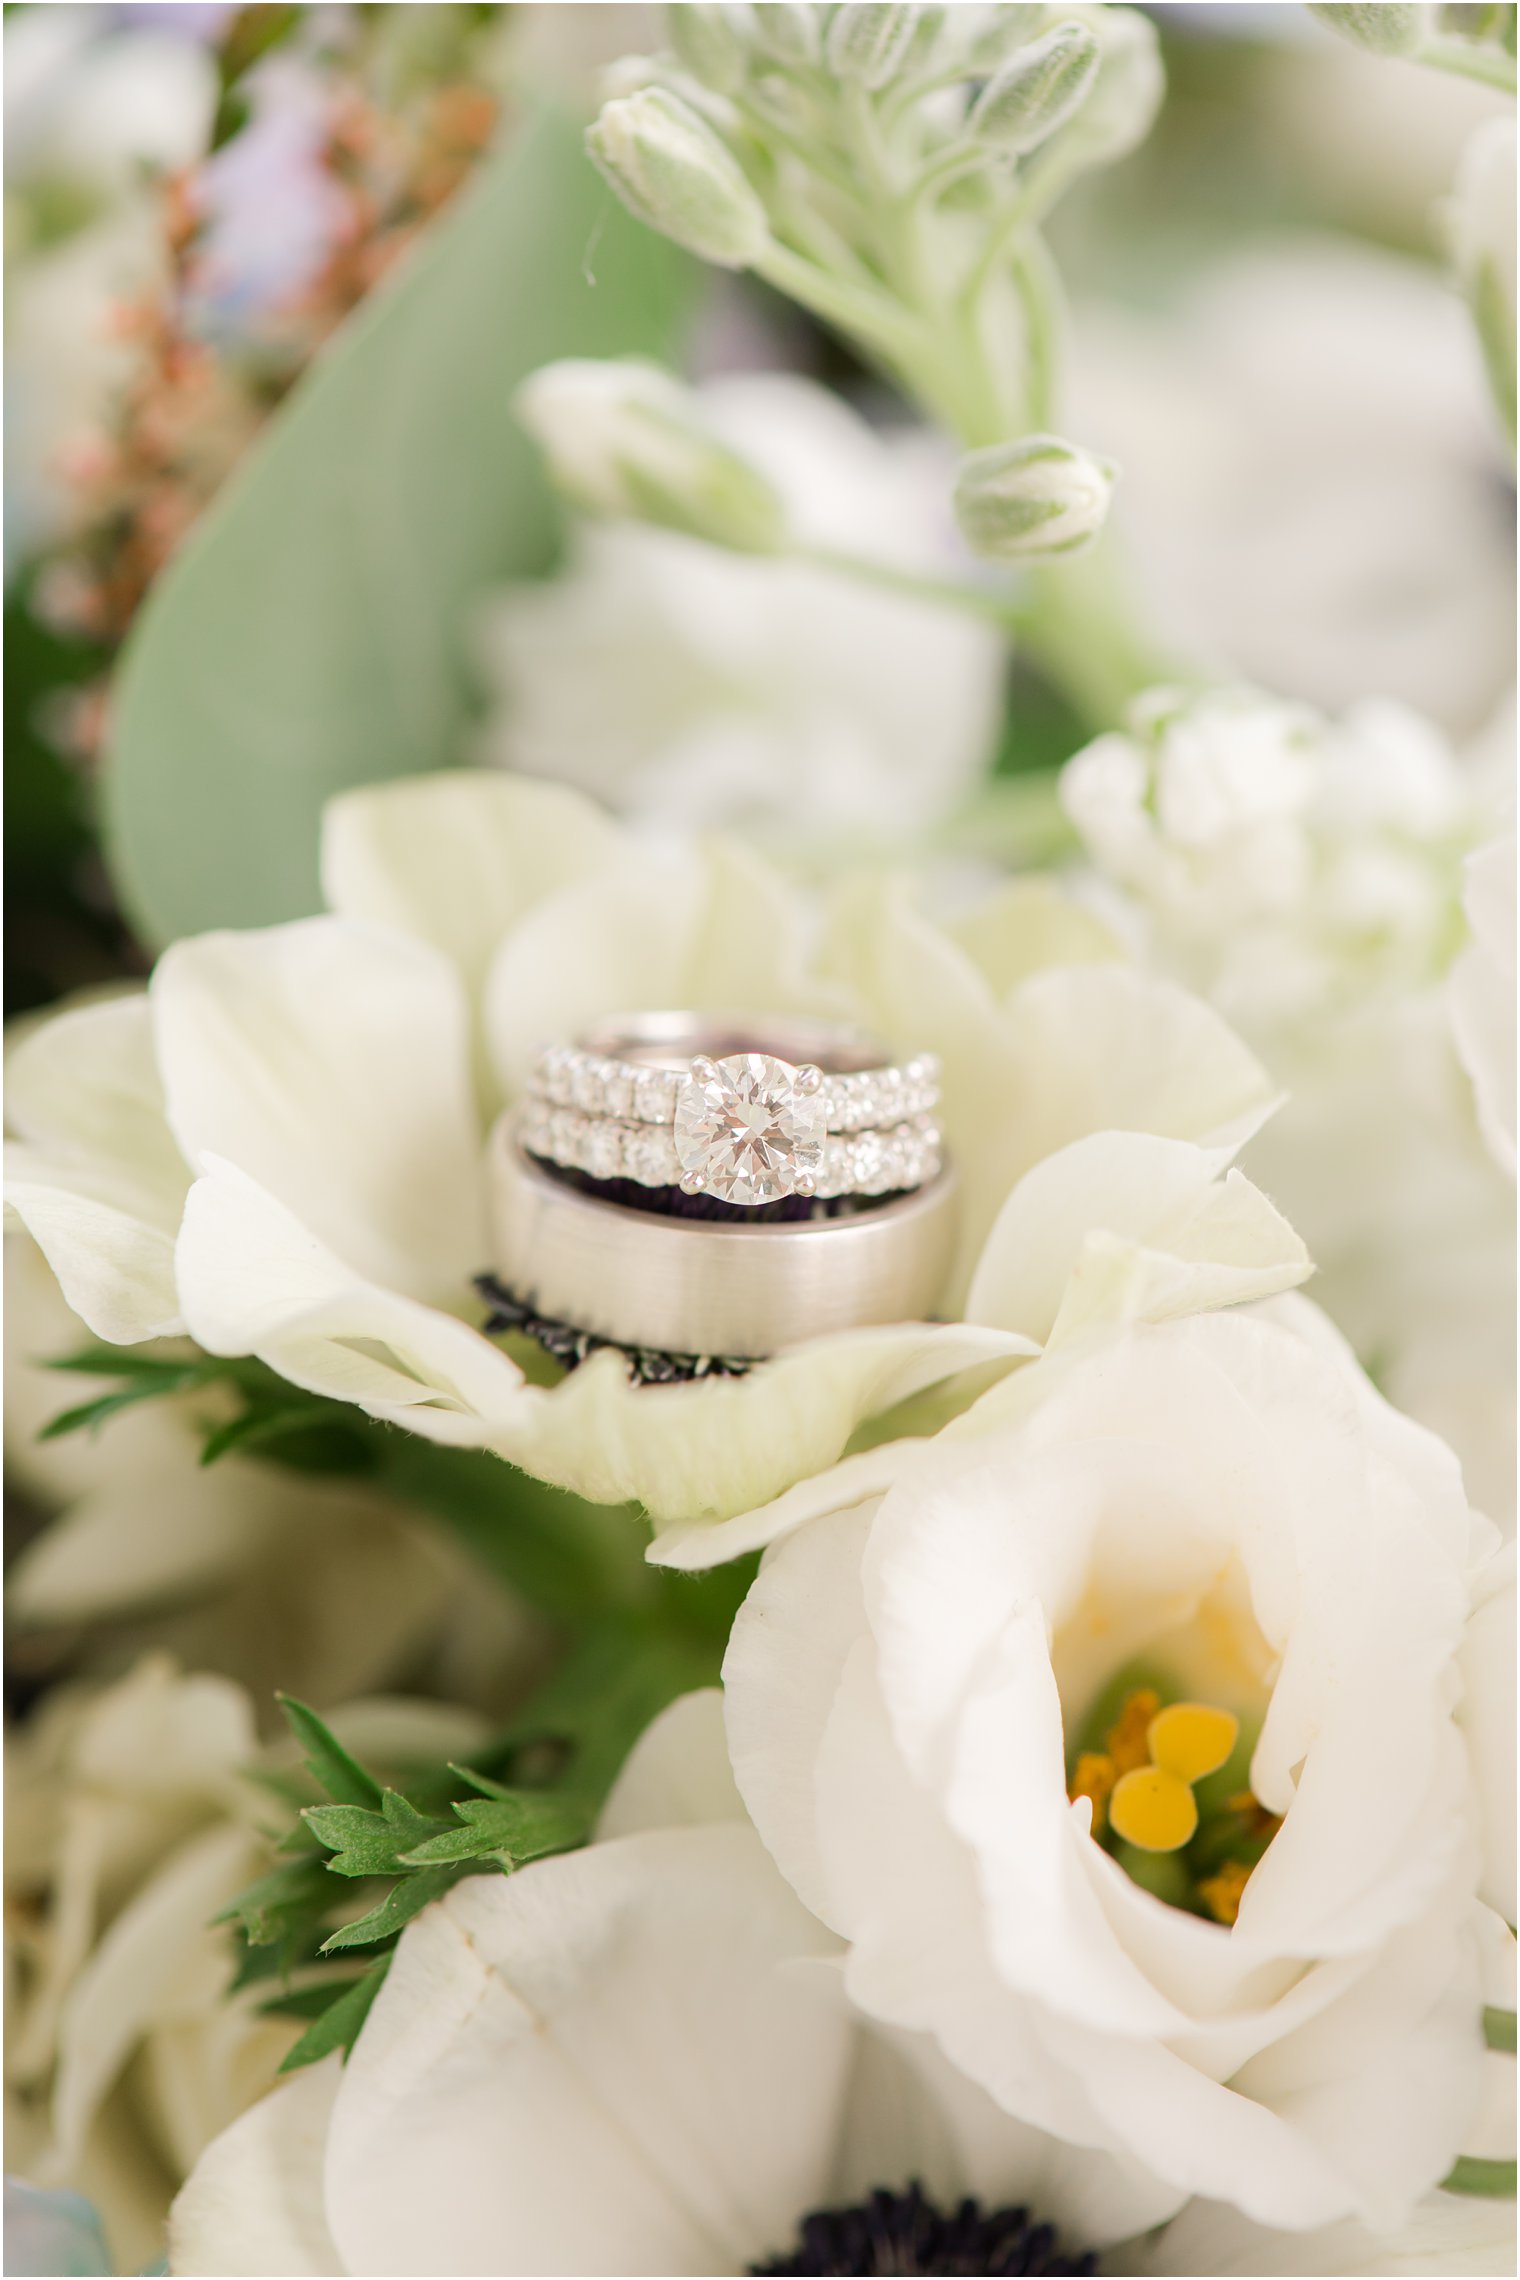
(745, 1111)
(706, 1287)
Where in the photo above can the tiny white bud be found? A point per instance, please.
(868, 44)
(1037, 90)
(709, 42)
(1384, 27)
(624, 438)
(788, 31)
(670, 169)
(1025, 501)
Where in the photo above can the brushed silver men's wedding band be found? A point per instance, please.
(684, 1286)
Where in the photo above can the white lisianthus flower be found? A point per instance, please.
(1483, 992)
(1305, 877)
(1141, 1745)
(281, 1147)
(275, 1578)
(682, 685)
(130, 1821)
(635, 2058)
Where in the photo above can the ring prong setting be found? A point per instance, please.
(692, 1183)
(805, 1185)
(704, 1069)
(807, 1080)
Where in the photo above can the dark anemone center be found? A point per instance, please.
(907, 2232)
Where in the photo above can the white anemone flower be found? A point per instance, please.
(635, 2058)
(1147, 1746)
(684, 684)
(280, 1148)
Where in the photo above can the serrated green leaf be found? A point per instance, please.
(132, 1362)
(1486, 2180)
(311, 634)
(327, 1761)
(338, 2026)
(256, 1427)
(511, 1829)
(266, 1910)
(400, 1905)
(309, 2002)
(363, 1843)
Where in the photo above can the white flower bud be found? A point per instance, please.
(670, 169)
(1122, 106)
(1385, 27)
(1025, 501)
(1481, 226)
(710, 43)
(788, 30)
(1036, 91)
(868, 43)
(1009, 28)
(624, 438)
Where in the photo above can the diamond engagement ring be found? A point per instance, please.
(743, 1111)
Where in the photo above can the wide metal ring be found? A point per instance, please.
(685, 1286)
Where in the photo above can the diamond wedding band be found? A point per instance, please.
(744, 1112)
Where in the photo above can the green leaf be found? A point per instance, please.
(400, 1905)
(1491, 2180)
(268, 1909)
(510, 1829)
(327, 1761)
(313, 632)
(337, 2027)
(1499, 2028)
(363, 1843)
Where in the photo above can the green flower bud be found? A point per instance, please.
(868, 44)
(1121, 109)
(624, 438)
(710, 44)
(1030, 500)
(789, 33)
(1384, 27)
(1036, 91)
(670, 169)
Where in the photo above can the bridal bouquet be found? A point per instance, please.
(762, 1141)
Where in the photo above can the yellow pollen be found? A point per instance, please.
(1094, 1778)
(1128, 1741)
(1191, 1739)
(1221, 1894)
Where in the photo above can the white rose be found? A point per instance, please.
(281, 1148)
(1265, 1983)
(689, 686)
(635, 2058)
(130, 1821)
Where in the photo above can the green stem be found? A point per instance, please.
(1002, 606)
(1034, 277)
(1466, 59)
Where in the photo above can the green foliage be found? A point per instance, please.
(1488, 2180)
(313, 632)
(1499, 2028)
(327, 1761)
(336, 2023)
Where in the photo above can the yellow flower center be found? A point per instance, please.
(1141, 1785)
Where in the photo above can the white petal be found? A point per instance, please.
(159, 1531)
(253, 2203)
(1123, 1224)
(255, 1281)
(600, 2064)
(1488, 1717)
(456, 858)
(97, 1177)
(677, 1774)
(330, 1062)
(1446, 2235)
